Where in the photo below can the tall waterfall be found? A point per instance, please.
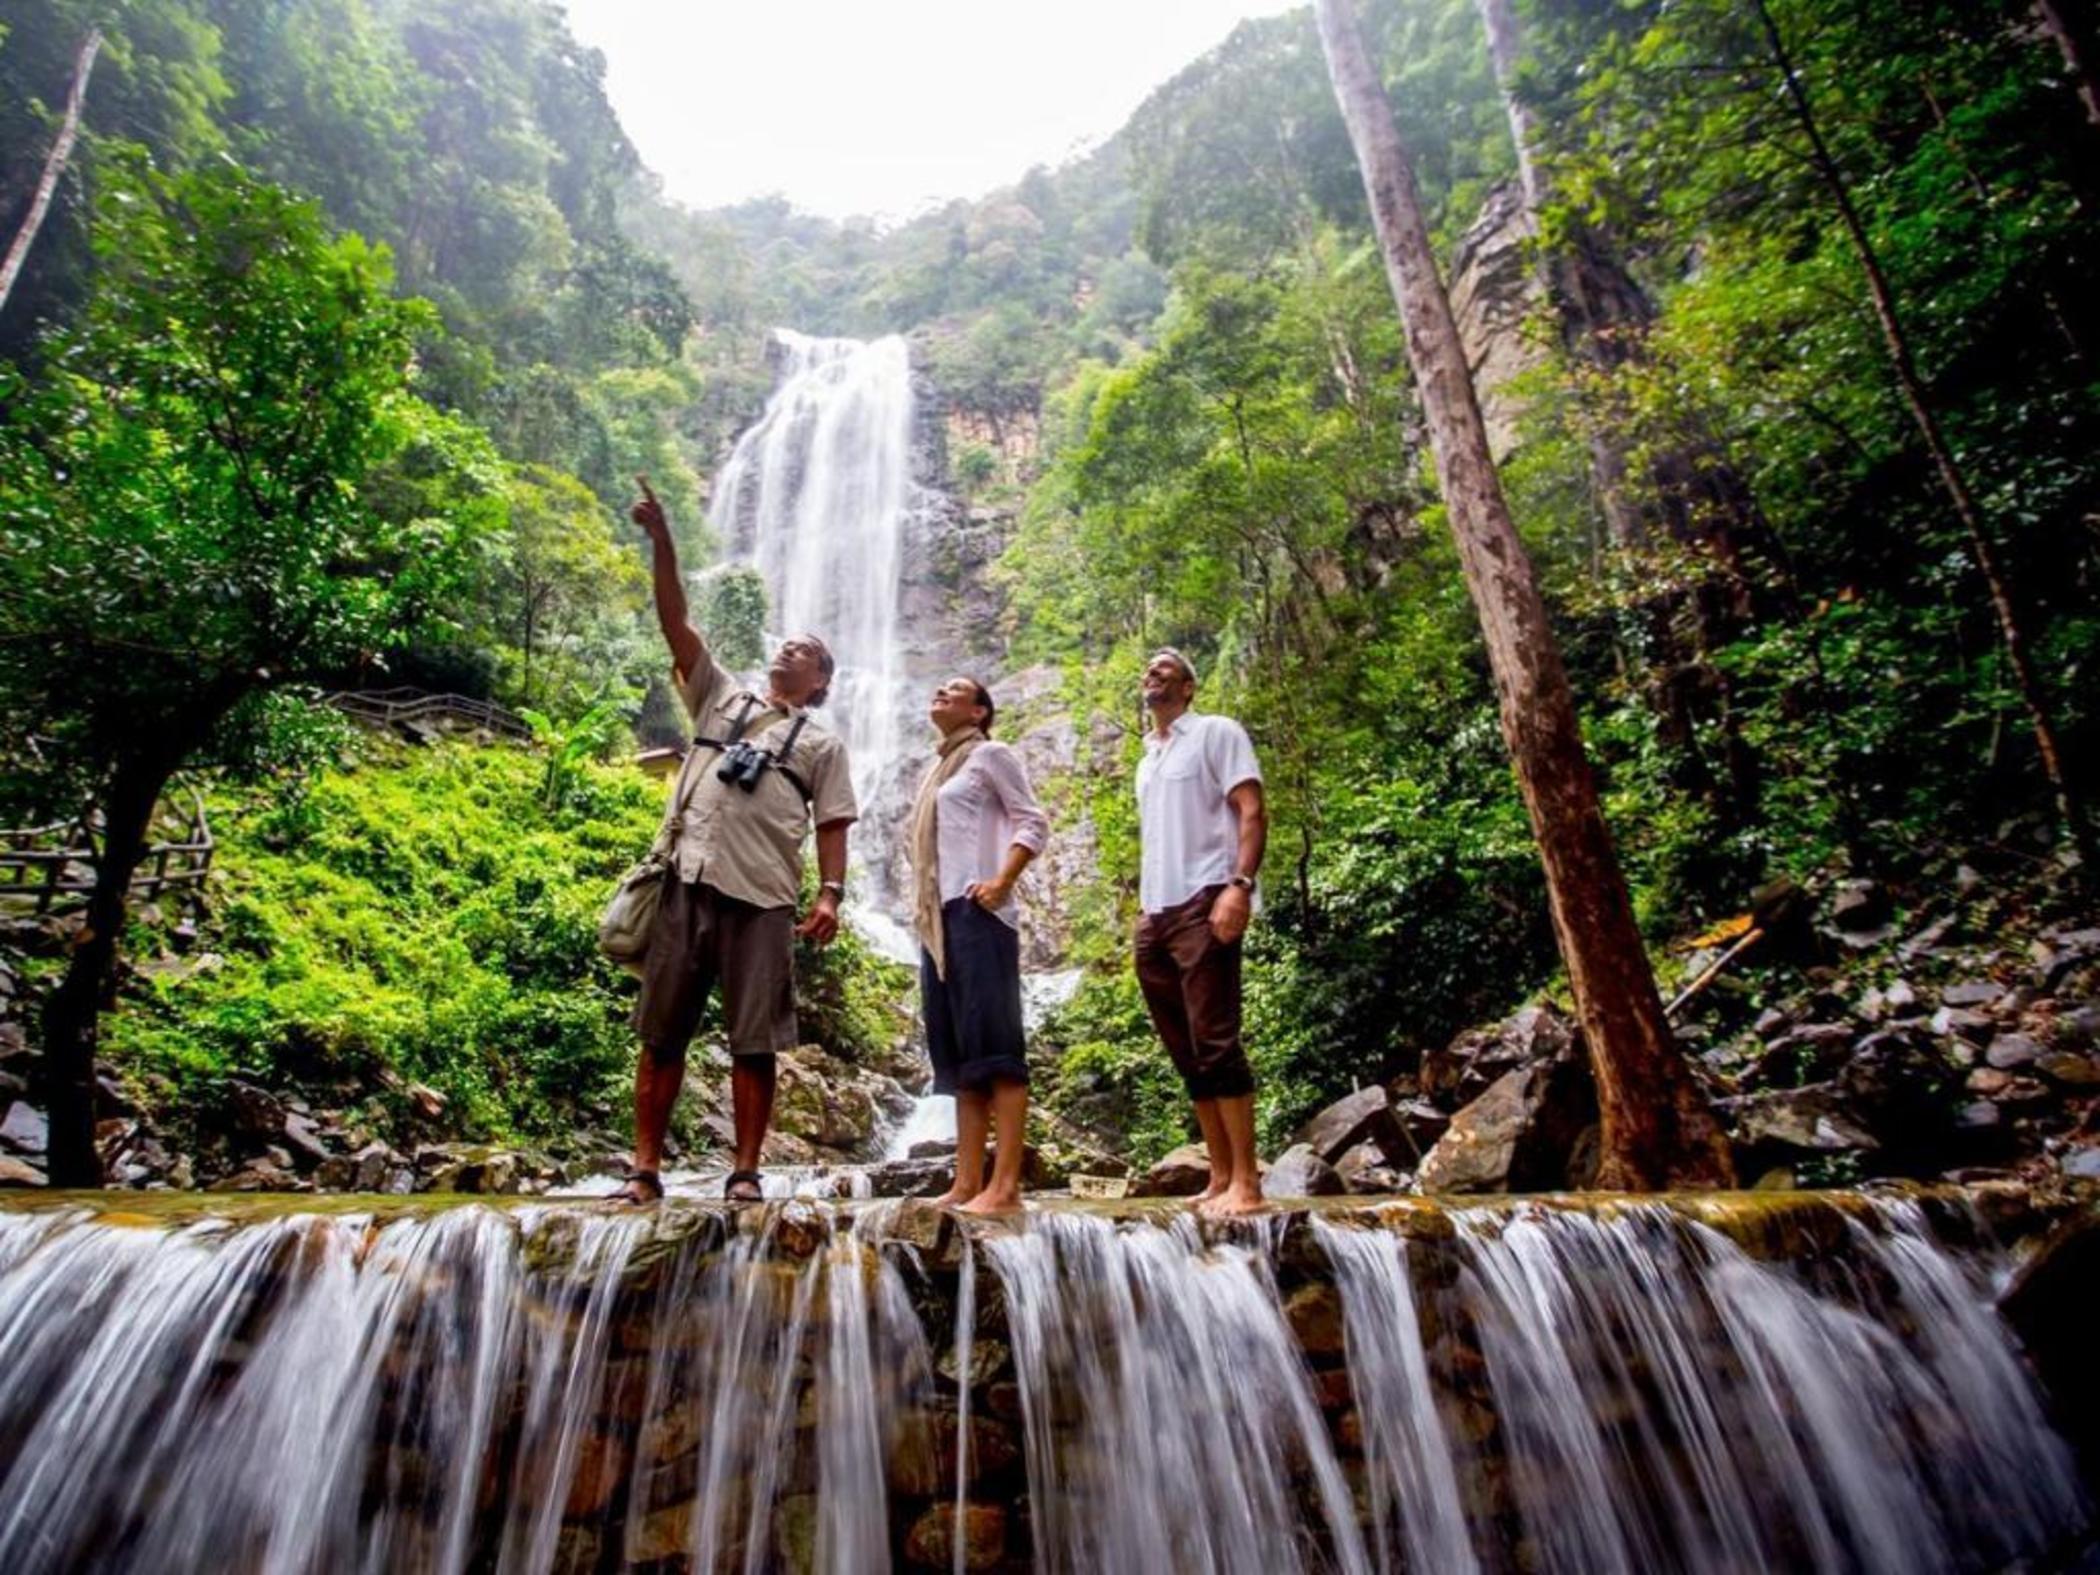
(1717, 1386)
(818, 496)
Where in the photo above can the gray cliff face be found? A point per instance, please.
(1494, 289)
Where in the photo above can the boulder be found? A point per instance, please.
(2012, 1050)
(25, 1131)
(1464, 1069)
(1181, 1174)
(1364, 1116)
(2079, 1073)
(1519, 1136)
(910, 1178)
(1423, 1124)
(931, 1542)
(1859, 906)
(1301, 1172)
(19, 1173)
(1364, 1170)
(257, 1114)
(1814, 1119)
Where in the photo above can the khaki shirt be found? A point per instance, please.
(749, 845)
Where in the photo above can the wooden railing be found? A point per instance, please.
(389, 707)
(38, 864)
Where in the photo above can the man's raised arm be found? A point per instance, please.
(688, 650)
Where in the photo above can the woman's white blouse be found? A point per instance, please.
(985, 808)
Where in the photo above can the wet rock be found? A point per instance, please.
(932, 1148)
(1859, 906)
(910, 1178)
(795, 1524)
(263, 1174)
(1518, 1136)
(1366, 1116)
(1977, 993)
(257, 1114)
(2049, 1304)
(2057, 952)
(1181, 1174)
(931, 1542)
(662, 1534)
(1464, 1069)
(1771, 1023)
(1098, 1187)
(1964, 1023)
(1814, 1119)
(1300, 1172)
(19, 1173)
(1423, 1124)
(2012, 1050)
(302, 1135)
(1314, 1312)
(2082, 1164)
(2080, 1073)
(1364, 1170)
(1988, 1081)
(1808, 1053)
(2079, 1029)
(25, 1130)
(426, 1101)
(373, 1168)
(483, 1169)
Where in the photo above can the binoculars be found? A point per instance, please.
(743, 764)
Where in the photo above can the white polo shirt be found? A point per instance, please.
(1188, 833)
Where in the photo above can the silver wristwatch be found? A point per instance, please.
(1244, 882)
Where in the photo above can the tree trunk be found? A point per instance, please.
(2064, 21)
(1657, 1128)
(54, 165)
(2012, 633)
(70, 1015)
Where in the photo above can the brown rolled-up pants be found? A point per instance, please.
(1191, 984)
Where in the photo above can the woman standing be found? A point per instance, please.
(974, 827)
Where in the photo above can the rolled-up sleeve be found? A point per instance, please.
(1231, 754)
(696, 689)
(1009, 779)
(831, 794)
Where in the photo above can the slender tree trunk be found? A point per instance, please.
(2012, 633)
(71, 1013)
(2065, 22)
(54, 166)
(1657, 1128)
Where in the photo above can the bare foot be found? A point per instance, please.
(994, 1200)
(1240, 1198)
(1201, 1201)
(954, 1197)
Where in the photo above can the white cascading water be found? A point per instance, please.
(818, 496)
(1502, 1387)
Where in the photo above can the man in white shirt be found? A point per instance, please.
(1202, 826)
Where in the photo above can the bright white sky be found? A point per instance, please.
(883, 106)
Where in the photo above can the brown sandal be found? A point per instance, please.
(640, 1189)
(744, 1178)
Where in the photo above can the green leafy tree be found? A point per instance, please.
(730, 606)
(184, 532)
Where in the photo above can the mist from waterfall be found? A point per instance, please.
(817, 495)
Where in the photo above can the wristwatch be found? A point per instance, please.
(1244, 882)
(836, 887)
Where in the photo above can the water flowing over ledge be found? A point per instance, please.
(1725, 1383)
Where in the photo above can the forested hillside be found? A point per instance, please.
(1784, 309)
